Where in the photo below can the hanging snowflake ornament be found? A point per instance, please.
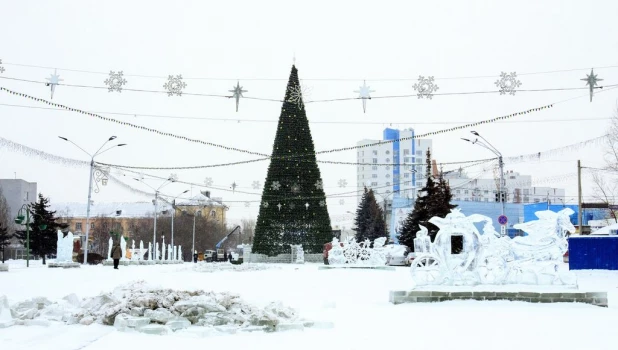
(297, 92)
(256, 185)
(295, 188)
(363, 94)
(591, 82)
(115, 81)
(341, 201)
(275, 185)
(54, 80)
(1, 68)
(237, 93)
(247, 204)
(173, 177)
(343, 183)
(208, 181)
(174, 85)
(508, 83)
(319, 185)
(425, 87)
(322, 203)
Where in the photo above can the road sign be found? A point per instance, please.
(502, 220)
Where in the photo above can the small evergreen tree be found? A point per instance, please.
(363, 217)
(42, 242)
(5, 239)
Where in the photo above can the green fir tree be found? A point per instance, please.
(42, 241)
(293, 208)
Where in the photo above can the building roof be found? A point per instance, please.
(200, 200)
(121, 210)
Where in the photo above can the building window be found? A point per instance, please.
(419, 153)
(406, 175)
(406, 159)
(387, 191)
(486, 199)
(78, 226)
(388, 160)
(198, 213)
(526, 191)
(375, 152)
(486, 191)
(467, 199)
(92, 226)
(465, 191)
(388, 175)
(374, 184)
(419, 184)
(388, 152)
(375, 160)
(458, 191)
(536, 200)
(213, 213)
(406, 152)
(526, 199)
(374, 167)
(374, 176)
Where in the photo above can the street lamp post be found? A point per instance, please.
(20, 220)
(98, 152)
(173, 214)
(156, 204)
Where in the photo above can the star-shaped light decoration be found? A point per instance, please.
(116, 81)
(54, 80)
(208, 181)
(363, 93)
(307, 206)
(237, 93)
(233, 186)
(279, 206)
(256, 185)
(322, 203)
(319, 185)
(275, 185)
(591, 81)
(425, 87)
(508, 83)
(295, 188)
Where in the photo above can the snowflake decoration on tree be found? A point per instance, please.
(341, 201)
(265, 204)
(174, 85)
(276, 185)
(322, 203)
(319, 185)
(247, 204)
(208, 181)
(508, 83)
(292, 206)
(115, 81)
(425, 87)
(297, 93)
(1, 68)
(343, 183)
(295, 188)
(256, 185)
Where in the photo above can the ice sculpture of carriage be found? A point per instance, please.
(487, 258)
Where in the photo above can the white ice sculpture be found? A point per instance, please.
(297, 249)
(180, 253)
(354, 253)
(123, 248)
(163, 248)
(488, 258)
(64, 247)
(169, 252)
(134, 254)
(156, 251)
(110, 243)
(149, 251)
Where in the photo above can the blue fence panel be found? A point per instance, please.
(593, 253)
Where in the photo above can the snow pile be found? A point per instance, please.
(226, 266)
(141, 307)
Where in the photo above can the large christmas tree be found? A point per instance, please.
(293, 208)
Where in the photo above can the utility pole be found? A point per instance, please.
(579, 197)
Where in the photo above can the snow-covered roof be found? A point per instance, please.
(120, 210)
(199, 200)
(605, 230)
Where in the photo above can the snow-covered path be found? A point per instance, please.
(355, 301)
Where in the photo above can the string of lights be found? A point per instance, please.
(376, 79)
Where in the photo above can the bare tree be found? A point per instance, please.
(6, 225)
(606, 186)
(248, 230)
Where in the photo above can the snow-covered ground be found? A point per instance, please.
(355, 301)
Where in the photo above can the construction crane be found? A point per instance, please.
(221, 252)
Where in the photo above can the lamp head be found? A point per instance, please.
(64, 138)
(43, 227)
(19, 219)
(112, 138)
(466, 140)
(475, 133)
(185, 191)
(121, 144)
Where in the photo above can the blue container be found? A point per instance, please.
(593, 253)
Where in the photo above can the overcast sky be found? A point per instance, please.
(337, 44)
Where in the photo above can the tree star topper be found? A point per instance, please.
(115, 81)
(591, 81)
(54, 80)
(237, 93)
(363, 93)
(425, 87)
(508, 83)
